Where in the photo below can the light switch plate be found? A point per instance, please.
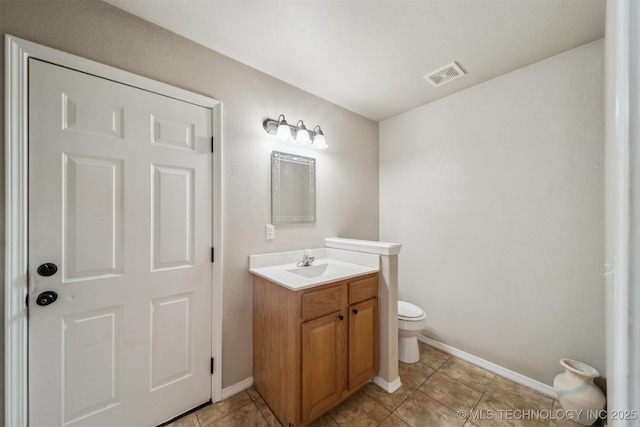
(270, 232)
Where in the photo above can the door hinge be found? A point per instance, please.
(212, 364)
(213, 255)
(212, 143)
(26, 300)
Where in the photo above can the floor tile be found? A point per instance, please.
(189, 420)
(467, 373)
(389, 400)
(253, 393)
(518, 396)
(393, 421)
(413, 374)
(419, 410)
(247, 416)
(266, 412)
(211, 413)
(432, 394)
(359, 411)
(325, 421)
(432, 357)
(450, 392)
(492, 413)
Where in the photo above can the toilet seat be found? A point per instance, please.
(409, 312)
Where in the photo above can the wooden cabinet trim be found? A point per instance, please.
(363, 288)
(319, 302)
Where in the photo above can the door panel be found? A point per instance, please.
(363, 342)
(173, 134)
(120, 201)
(92, 212)
(171, 339)
(173, 216)
(82, 113)
(91, 378)
(324, 342)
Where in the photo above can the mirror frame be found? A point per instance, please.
(278, 161)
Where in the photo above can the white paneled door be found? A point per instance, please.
(120, 231)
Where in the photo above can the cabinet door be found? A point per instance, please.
(324, 363)
(363, 342)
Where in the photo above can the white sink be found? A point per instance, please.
(318, 270)
(330, 265)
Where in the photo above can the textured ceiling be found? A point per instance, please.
(370, 56)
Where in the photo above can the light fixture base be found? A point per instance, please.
(316, 137)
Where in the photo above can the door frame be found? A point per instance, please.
(17, 54)
(622, 210)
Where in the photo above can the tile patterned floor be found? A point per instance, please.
(439, 391)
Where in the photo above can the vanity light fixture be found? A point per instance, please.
(303, 136)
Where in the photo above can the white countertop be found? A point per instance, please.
(368, 246)
(330, 265)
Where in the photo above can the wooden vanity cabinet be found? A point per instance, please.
(313, 348)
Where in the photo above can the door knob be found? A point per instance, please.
(341, 317)
(46, 298)
(355, 311)
(47, 269)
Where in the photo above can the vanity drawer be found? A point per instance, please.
(363, 289)
(316, 303)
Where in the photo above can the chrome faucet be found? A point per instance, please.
(307, 259)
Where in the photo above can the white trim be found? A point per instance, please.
(216, 266)
(237, 388)
(15, 313)
(535, 385)
(368, 246)
(622, 211)
(389, 387)
(17, 53)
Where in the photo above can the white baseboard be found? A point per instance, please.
(545, 389)
(237, 387)
(389, 387)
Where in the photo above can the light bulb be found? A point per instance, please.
(318, 139)
(284, 131)
(302, 135)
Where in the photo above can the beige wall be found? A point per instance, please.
(347, 172)
(496, 193)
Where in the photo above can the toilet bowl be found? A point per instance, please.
(411, 320)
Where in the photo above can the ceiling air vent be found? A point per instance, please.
(445, 74)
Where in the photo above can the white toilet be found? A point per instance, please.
(411, 320)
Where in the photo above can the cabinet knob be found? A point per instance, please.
(354, 311)
(341, 317)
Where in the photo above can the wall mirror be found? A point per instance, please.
(293, 188)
